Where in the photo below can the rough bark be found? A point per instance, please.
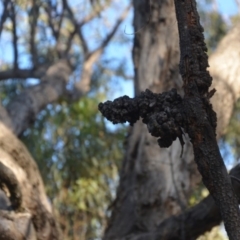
(201, 119)
(34, 204)
(200, 218)
(155, 183)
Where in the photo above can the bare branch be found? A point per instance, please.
(48, 8)
(15, 156)
(93, 14)
(167, 113)
(55, 26)
(202, 130)
(14, 33)
(83, 86)
(115, 28)
(76, 25)
(69, 42)
(33, 18)
(5, 14)
(23, 73)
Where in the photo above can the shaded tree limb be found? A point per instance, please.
(92, 57)
(201, 124)
(76, 25)
(56, 30)
(5, 14)
(37, 73)
(33, 19)
(55, 24)
(15, 37)
(197, 220)
(23, 109)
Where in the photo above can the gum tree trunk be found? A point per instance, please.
(156, 183)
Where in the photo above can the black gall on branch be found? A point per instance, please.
(160, 112)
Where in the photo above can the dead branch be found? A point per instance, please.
(5, 14)
(76, 25)
(167, 114)
(23, 73)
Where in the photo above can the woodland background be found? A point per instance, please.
(58, 60)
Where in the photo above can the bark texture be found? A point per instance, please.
(155, 183)
(34, 209)
(201, 118)
(191, 223)
(25, 210)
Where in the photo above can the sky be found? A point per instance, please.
(226, 7)
(123, 51)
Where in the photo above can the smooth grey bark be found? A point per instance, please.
(156, 183)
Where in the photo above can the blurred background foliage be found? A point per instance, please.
(79, 159)
(77, 151)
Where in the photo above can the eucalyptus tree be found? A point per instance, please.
(156, 184)
(51, 52)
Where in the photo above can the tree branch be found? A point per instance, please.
(97, 10)
(14, 33)
(23, 109)
(5, 14)
(48, 8)
(201, 124)
(23, 73)
(92, 57)
(197, 220)
(69, 42)
(55, 27)
(167, 114)
(115, 28)
(77, 27)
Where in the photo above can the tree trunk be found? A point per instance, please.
(33, 208)
(156, 183)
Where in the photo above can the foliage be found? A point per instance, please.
(215, 27)
(232, 137)
(77, 154)
(78, 158)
